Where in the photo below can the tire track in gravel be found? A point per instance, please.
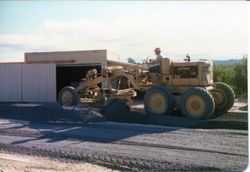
(110, 160)
(32, 134)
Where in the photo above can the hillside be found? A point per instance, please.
(227, 62)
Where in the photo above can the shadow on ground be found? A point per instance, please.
(54, 113)
(95, 132)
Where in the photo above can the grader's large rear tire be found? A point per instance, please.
(158, 101)
(68, 96)
(223, 96)
(197, 103)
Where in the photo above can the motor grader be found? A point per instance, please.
(184, 85)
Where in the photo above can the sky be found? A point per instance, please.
(207, 30)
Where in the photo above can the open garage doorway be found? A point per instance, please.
(71, 75)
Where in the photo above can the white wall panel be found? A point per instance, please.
(39, 83)
(79, 57)
(10, 82)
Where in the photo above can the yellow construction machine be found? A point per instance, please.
(183, 85)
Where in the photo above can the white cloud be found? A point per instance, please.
(209, 36)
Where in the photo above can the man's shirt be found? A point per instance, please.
(158, 59)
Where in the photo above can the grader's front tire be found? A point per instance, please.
(68, 96)
(197, 103)
(223, 96)
(158, 101)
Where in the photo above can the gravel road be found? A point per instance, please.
(130, 146)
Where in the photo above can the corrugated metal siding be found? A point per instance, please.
(10, 82)
(39, 83)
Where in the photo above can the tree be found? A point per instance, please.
(233, 75)
(240, 77)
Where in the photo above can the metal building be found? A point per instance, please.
(43, 74)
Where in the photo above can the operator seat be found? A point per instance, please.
(163, 67)
(154, 69)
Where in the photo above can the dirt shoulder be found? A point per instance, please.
(17, 162)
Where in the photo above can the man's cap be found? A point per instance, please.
(157, 49)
